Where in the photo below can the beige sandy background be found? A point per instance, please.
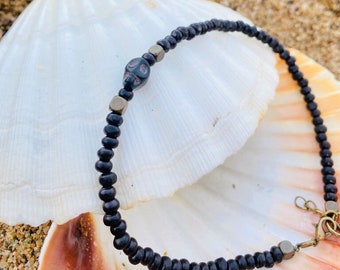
(311, 26)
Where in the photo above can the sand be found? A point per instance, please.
(311, 26)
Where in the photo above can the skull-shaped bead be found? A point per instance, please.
(136, 74)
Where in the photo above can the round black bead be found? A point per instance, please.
(217, 23)
(229, 26)
(112, 220)
(148, 256)
(325, 145)
(327, 170)
(105, 154)
(320, 128)
(269, 259)
(273, 43)
(325, 153)
(250, 261)
(111, 207)
(242, 263)
(291, 61)
(114, 119)
(185, 264)
(293, 68)
(191, 33)
(221, 264)
(164, 44)
(284, 54)
(107, 193)
(260, 259)
(119, 229)
(110, 142)
(317, 121)
(312, 106)
(329, 179)
(176, 265)
(204, 28)
(150, 58)
(194, 266)
(303, 82)
(166, 263)
(131, 248)
(172, 41)
(112, 131)
(278, 48)
(156, 263)
(197, 27)
(107, 180)
(309, 97)
(330, 197)
(305, 90)
(122, 241)
(103, 166)
(212, 266)
(298, 76)
(210, 25)
(232, 265)
(184, 31)
(320, 137)
(203, 266)
(277, 254)
(137, 257)
(330, 188)
(240, 26)
(327, 162)
(315, 113)
(126, 94)
(177, 35)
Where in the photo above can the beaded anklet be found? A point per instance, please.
(136, 74)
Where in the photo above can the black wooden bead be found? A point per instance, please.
(103, 166)
(172, 41)
(330, 197)
(176, 265)
(126, 94)
(250, 261)
(217, 23)
(107, 180)
(166, 263)
(325, 153)
(273, 43)
(291, 61)
(229, 26)
(105, 154)
(277, 254)
(177, 35)
(278, 48)
(107, 193)
(122, 241)
(184, 31)
(164, 44)
(298, 76)
(111, 207)
(247, 30)
(132, 247)
(240, 26)
(242, 263)
(293, 68)
(260, 259)
(327, 170)
(119, 229)
(284, 54)
(266, 38)
(137, 257)
(269, 259)
(156, 262)
(317, 121)
(204, 28)
(329, 179)
(150, 58)
(325, 145)
(212, 265)
(191, 33)
(114, 119)
(112, 131)
(197, 27)
(232, 265)
(210, 25)
(112, 220)
(203, 266)
(312, 105)
(320, 137)
(260, 34)
(148, 256)
(194, 266)
(330, 188)
(315, 113)
(185, 264)
(221, 264)
(305, 90)
(328, 162)
(320, 128)
(110, 142)
(309, 97)
(303, 82)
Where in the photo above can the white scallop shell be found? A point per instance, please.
(62, 62)
(246, 204)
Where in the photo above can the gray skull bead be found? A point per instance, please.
(136, 74)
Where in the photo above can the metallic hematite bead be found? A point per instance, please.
(158, 52)
(118, 104)
(288, 249)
